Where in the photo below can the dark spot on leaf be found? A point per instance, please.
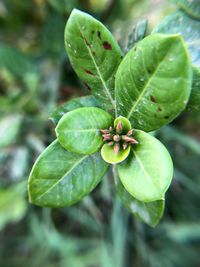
(94, 54)
(107, 45)
(121, 57)
(152, 98)
(85, 40)
(166, 117)
(99, 34)
(88, 72)
(150, 71)
(93, 32)
(159, 109)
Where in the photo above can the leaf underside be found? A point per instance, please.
(192, 7)
(148, 212)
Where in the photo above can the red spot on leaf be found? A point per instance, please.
(88, 72)
(107, 46)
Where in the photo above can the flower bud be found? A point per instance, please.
(130, 132)
(116, 148)
(116, 138)
(119, 127)
(125, 145)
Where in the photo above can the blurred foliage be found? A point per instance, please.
(35, 76)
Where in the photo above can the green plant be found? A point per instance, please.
(131, 96)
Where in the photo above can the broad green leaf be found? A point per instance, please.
(146, 174)
(194, 101)
(9, 129)
(108, 154)
(94, 55)
(13, 204)
(180, 22)
(192, 7)
(79, 102)
(148, 212)
(79, 130)
(151, 88)
(61, 178)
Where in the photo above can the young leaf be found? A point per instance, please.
(148, 212)
(79, 102)
(194, 101)
(108, 154)
(94, 55)
(192, 7)
(79, 130)
(147, 172)
(151, 88)
(61, 178)
(180, 22)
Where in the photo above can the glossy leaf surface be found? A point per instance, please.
(148, 212)
(79, 130)
(147, 172)
(151, 88)
(94, 55)
(192, 7)
(108, 154)
(60, 178)
(180, 22)
(79, 102)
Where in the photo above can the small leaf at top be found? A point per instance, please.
(79, 130)
(192, 7)
(147, 173)
(94, 55)
(110, 156)
(148, 212)
(60, 178)
(151, 88)
(79, 102)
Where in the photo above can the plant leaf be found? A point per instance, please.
(180, 22)
(79, 130)
(147, 172)
(151, 88)
(194, 101)
(94, 55)
(148, 212)
(108, 154)
(79, 102)
(192, 7)
(61, 178)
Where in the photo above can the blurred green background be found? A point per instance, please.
(35, 76)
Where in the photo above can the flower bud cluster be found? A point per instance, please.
(117, 138)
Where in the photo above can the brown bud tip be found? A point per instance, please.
(125, 145)
(119, 127)
(116, 138)
(129, 139)
(107, 137)
(111, 143)
(130, 132)
(116, 148)
(104, 131)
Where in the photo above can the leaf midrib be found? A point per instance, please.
(66, 174)
(107, 92)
